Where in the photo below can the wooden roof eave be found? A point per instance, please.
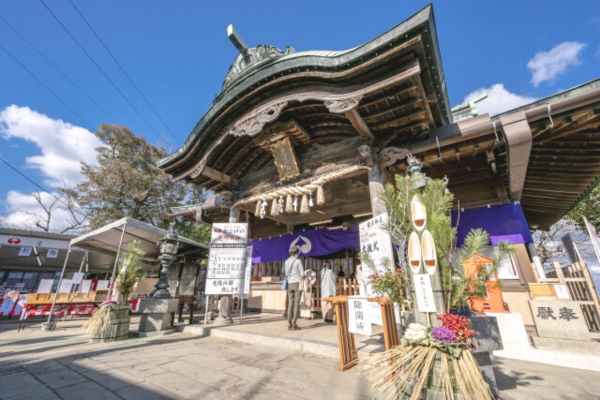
(422, 23)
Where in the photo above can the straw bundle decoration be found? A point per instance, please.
(100, 321)
(304, 209)
(431, 362)
(258, 206)
(320, 196)
(275, 208)
(403, 371)
(289, 206)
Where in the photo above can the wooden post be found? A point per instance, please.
(347, 346)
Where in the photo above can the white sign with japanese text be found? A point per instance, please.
(227, 259)
(78, 277)
(25, 251)
(85, 286)
(65, 286)
(102, 285)
(52, 253)
(247, 274)
(562, 293)
(424, 293)
(359, 316)
(45, 286)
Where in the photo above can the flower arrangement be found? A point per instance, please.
(451, 337)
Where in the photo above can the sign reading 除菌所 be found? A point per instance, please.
(359, 316)
(227, 260)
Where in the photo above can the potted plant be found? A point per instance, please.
(111, 322)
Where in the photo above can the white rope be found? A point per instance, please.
(302, 190)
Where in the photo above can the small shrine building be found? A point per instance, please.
(298, 144)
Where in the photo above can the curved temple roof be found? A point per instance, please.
(291, 69)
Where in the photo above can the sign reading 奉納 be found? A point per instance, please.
(424, 293)
(359, 316)
(227, 260)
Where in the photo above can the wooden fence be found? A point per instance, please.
(581, 288)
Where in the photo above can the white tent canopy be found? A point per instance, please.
(106, 240)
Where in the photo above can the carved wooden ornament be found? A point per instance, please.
(285, 159)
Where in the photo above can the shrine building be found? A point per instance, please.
(298, 144)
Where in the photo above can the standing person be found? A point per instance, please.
(310, 278)
(294, 273)
(327, 290)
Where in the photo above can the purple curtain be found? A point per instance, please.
(315, 242)
(503, 222)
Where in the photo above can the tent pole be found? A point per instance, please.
(62, 275)
(83, 261)
(112, 277)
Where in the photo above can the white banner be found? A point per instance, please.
(424, 292)
(45, 286)
(33, 242)
(359, 316)
(593, 237)
(247, 274)
(227, 259)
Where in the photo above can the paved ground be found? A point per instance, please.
(52, 365)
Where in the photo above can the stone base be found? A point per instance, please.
(152, 334)
(157, 314)
(222, 321)
(489, 338)
(514, 335)
(589, 347)
(559, 319)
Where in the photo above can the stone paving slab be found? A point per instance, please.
(62, 378)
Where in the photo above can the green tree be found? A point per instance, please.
(127, 183)
(589, 208)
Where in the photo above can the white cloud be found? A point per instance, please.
(498, 101)
(23, 211)
(61, 144)
(62, 147)
(546, 66)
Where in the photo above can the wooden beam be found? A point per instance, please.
(219, 176)
(359, 124)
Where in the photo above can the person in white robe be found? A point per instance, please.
(310, 279)
(328, 278)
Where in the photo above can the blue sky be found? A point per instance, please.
(177, 53)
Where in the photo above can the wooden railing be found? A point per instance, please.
(581, 289)
(346, 343)
(343, 287)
